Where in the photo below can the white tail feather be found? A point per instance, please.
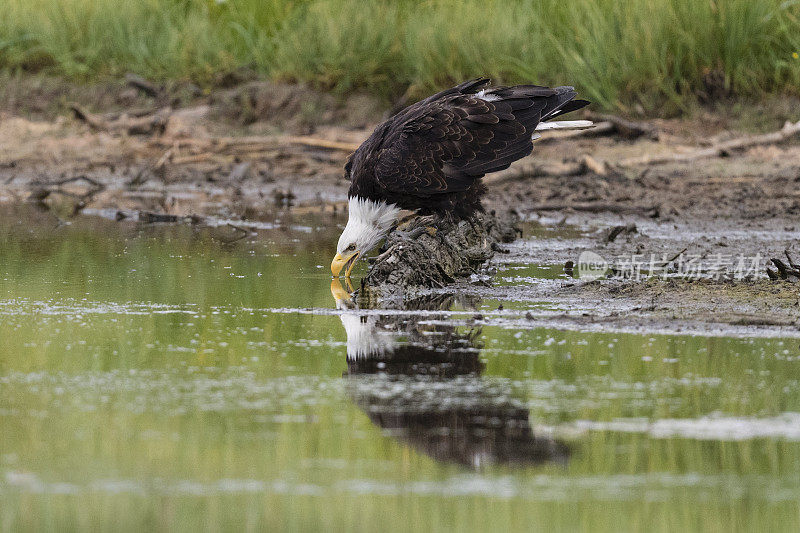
(565, 125)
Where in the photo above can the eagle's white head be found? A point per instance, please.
(368, 222)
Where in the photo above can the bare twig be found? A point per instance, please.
(616, 231)
(136, 125)
(143, 85)
(93, 121)
(136, 112)
(628, 129)
(45, 189)
(789, 272)
(242, 233)
(322, 143)
(152, 218)
(671, 259)
(255, 143)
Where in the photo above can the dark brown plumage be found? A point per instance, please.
(431, 155)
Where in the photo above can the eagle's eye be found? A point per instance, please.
(351, 248)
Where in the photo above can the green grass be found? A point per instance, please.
(649, 53)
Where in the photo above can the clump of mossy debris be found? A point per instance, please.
(432, 252)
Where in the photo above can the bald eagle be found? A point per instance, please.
(431, 156)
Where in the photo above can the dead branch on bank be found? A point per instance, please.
(45, 189)
(82, 192)
(790, 272)
(628, 129)
(622, 229)
(533, 168)
(148, 124)
(722, 149)
(236, 145)
(649, 211)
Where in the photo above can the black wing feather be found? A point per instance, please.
(446, 142)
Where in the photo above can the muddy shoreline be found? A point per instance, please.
(716, 212)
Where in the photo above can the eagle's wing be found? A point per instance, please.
(445, 143)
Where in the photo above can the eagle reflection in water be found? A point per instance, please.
(422, 384)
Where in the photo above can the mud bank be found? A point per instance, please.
(699, 278)
(254, 153)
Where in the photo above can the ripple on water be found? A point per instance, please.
(657, 486)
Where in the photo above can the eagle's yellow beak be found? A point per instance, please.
(341, 293)
(345, 263)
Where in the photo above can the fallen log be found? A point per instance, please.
(433, 252)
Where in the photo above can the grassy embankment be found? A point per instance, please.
(650, 54)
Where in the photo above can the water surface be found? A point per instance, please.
(158, 377)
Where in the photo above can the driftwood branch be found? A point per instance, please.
(536, 168)
(721, 149)
(628, 129)
(228, 145)
(93, 121)
(131, 124)
(790, 272)
(322, 143)
(80, 197)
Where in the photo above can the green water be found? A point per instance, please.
(156, 378)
